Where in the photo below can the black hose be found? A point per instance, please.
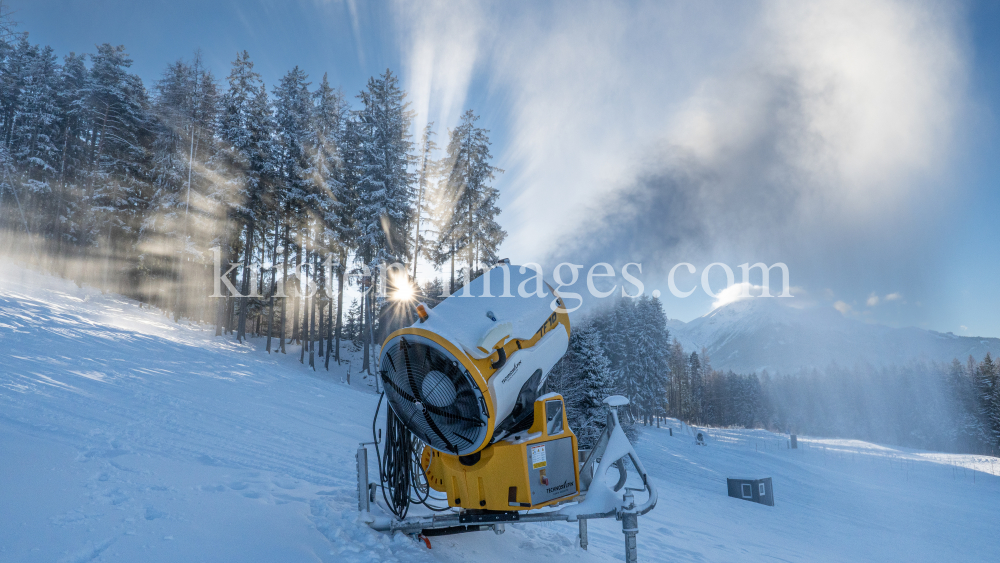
(399, 467)
(393, 475)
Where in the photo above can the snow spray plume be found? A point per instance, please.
(800, 148)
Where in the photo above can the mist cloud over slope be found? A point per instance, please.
(814, 134)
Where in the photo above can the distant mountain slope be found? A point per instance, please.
(766, 333)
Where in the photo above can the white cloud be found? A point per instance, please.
(844, 308)
(893, 296)
(872, 300)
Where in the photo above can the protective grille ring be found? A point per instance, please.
(435, 398)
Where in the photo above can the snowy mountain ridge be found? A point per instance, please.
(759, 334)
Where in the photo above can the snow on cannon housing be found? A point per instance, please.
(467, 375)
(467, 380)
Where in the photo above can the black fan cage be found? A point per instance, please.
(434, 396)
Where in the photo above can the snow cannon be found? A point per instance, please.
(472, 439)
(467, 380)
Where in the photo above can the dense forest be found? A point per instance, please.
(294, 189)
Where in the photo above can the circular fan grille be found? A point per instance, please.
(433, 395)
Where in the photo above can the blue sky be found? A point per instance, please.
(857, 142)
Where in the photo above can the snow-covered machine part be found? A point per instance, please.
(468, 374)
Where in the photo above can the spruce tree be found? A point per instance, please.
(385, 187)
(651, 357)
(385, 183)
(330, 118)
(466, 210)
(35, 131)
(594, 372)
(426, 174)
(117, 199)
(246, 129)
(73, 143)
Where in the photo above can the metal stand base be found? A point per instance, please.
(459, 522)
(630, 527)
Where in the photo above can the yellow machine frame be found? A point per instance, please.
(482, 370)
(487, 484)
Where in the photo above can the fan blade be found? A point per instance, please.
(450, 416)
(434, 427)
(462, 437)
(398, 389)
(404, 349)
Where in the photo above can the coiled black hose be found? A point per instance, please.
(399, 467)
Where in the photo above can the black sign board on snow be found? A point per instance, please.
(755, 490)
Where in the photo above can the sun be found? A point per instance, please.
(404, 292)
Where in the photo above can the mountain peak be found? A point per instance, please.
(784, 335)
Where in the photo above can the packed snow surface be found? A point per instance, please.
(127, 437)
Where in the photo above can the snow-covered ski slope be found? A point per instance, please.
(127, 437)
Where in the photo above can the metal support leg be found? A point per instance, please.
(363, 500)
(583, 533)
(630, 527)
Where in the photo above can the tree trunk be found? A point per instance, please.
(245, 286)
(62, 192)
(295, 307)
(366, 325)
(329, 332)
(284, 284)
(416, 233)
(340, 307)
(312, 324)
(320, 325)
(274, 286)
(95, 163)
(312, 332)
(469, 245)
(230, 312)
(303, 335)
(319, 304)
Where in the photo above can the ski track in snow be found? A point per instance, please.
(127, 437)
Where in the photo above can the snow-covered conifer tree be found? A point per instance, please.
(246, 127)
(426, 175)
(466, 210)
(594, 372)
(385, 185)
(650, 362)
